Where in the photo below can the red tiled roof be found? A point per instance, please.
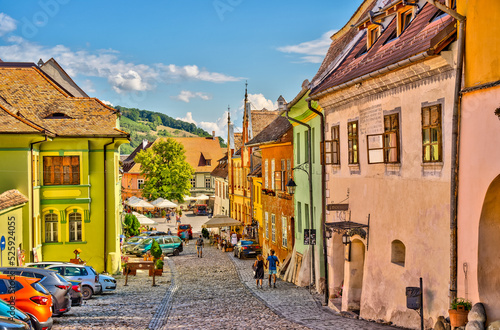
(11, 198)
(418, 37)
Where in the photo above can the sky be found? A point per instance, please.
(188, 59)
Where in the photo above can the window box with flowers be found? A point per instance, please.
(268, 192)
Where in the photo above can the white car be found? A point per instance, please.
(86, 274)
(108, 283)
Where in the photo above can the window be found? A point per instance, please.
(272, 171)
(140, 183)
(265, 174)
(51, 227)
(332, 147)
(61, 170)
(299, 217)
(398, 253)
(404, 20)
(266, 224)
(373, 35)
(75, 271)
(352, 144)
(208, 162)
(75, 227)
(278, 180)
(273, 227)
(306, 213)
(284, 232)
(384, 148)
(298, 148)
(193, 182)
(431, 134)
(208, 182)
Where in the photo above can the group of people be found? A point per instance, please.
(172, 214)
(272, 261)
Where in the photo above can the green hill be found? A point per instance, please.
(145, 124)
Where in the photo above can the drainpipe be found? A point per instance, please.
(455, 146)
(33, 193)
(309, 173)
(106, 208)
(323, 201)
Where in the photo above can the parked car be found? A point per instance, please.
(76, 293)
(185, 227)
(84, 273)
(7, 310)
(12, 324)
(43, 264)
(58, 286)
(168, 244)
(31, 297)
(200, 209)
(108, 283)
(131, 243)
(246, 248)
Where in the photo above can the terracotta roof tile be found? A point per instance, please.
(34, 97)
(262, 118)
(272, 132)
(221, 170)
(11, 198)
(417, 38)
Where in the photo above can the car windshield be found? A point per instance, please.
(248, 242)
(184, 226)
(147, 241)
(134, 239)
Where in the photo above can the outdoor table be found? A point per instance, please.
(131, 267)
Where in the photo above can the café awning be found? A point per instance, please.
(219, 221)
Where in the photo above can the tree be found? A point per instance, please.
(131, 225)
(165, 170)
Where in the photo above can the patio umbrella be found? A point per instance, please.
(202, 197)
(141, 203)
(144, 220)
(157, 201)
(220, 220)
(132, 200)
(166, 204)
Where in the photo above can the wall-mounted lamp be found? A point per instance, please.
(328, 233)
(290, 186)
(346, 239)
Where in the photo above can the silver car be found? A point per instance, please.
(86, 274)
(108, 283)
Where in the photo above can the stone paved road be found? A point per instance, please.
(210, 295)
(297, 304)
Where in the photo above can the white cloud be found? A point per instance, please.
(107, 103)
(259, 102)
(88, 86)
(186, 96)
(122, 76)
(188, 118)
(7, 24)
(313, 50)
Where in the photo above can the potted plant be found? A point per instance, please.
(158, 268)
(157, 254)
(458, 312)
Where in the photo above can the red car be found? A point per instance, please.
(185, 227)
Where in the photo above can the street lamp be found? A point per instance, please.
(346, 238)
(290, 186)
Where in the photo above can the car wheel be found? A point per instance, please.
(87, 292)
(176, 252)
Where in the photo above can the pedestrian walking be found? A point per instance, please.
(273, 262)
(169, 232)
(199, 246)
(258, 268)
(185, 237)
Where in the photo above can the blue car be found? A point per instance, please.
(5, 311)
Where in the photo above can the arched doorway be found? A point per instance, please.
(354, 276)
(488, 271)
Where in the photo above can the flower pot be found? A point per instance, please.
(158, 272)
(458, 318)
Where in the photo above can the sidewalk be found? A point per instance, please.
(296, 303)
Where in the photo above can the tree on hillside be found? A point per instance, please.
(166, 172)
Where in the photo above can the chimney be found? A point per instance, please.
(213, 135)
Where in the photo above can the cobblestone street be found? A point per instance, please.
(215, 292)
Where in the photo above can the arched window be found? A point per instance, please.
(51, 227)
(75, 227)
(398, 253)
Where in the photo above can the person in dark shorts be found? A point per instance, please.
(258, 267)
(273, 262)
(199, 246)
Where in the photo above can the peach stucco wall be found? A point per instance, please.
(479, 166)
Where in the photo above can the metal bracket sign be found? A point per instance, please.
(309, 236)
(2, 247)
(337, 207)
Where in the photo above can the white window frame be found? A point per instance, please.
(266, 224)
(284, 231)
(75, 218)
(273, 228)
(53, 231)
